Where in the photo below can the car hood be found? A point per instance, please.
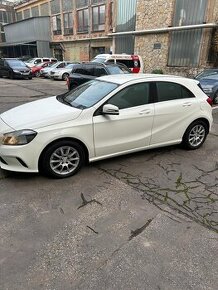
(39, 114)
(20, 68)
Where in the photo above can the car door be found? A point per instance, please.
(175, 109)
(129, 130)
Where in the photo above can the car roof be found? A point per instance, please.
(124, 78)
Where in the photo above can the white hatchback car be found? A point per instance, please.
(103, 118)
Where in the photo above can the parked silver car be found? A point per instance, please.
(46, 72)
(62, 73)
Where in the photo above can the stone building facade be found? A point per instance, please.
(155, 47)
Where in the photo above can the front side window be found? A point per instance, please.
(98, 16)
(88, 94)
(68, 23)
(132, 96)
(168, 91)
(83, 20)
(56, 24)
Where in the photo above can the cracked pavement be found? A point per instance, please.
(142, 221)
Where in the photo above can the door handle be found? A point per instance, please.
(188, 104)
(145, 112)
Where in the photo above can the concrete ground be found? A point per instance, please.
(142, 221)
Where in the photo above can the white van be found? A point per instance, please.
(133, 62)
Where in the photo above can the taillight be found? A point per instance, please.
(67, 82)
(135, 70)
(210, 101)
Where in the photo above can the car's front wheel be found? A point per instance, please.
(65, 76)
(62, 159)
(195, 135)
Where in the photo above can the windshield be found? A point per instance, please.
(30, 60)
(16, 63)
(70, 65)
(99, 59)
(117, 70)
(206, 73)
(88, 94)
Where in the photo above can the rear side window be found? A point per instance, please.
(45, 59)
(130, 63)
(171, 91)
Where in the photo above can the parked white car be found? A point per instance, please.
(45, 72)
(62, 73)
(103, 118)
(37, 60)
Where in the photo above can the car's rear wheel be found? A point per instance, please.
(62, 159)
(65, 76)
(195, 135)
(37, 74)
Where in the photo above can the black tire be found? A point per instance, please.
(11, 75)
(30, 78)
(65, 76)
(195, 135)
(50, 156)
(37, 74)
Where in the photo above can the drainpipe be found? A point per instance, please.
(164, 30)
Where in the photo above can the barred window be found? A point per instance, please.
(35, 11)
(68, 23)
(55, 6)
(19, 16)
(26, 13)
(56, 24)
(98, 16)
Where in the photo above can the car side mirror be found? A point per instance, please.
(109, 109)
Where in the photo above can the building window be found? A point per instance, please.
(55, 6)
(6, 17)
(83, 20)
(67, 5)
(26, 13)
(35, 11)
(94, 2)
(98, 16)
(56, 24)
(44, 9)
(81, 3)
(185, 45)
(68, 23)
(19, 16)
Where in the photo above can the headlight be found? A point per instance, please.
(21, 137)
(16, 71)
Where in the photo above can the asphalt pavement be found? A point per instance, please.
(143, 221)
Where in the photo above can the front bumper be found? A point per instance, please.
(56, 77)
